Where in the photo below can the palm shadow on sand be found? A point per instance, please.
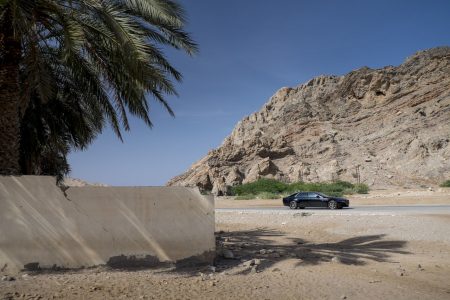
(247, 245)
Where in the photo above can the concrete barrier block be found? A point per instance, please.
(117, 226)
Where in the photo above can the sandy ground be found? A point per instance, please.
(281, 256)
(377, 197)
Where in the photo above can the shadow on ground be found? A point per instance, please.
(260, 244)
(259, 249)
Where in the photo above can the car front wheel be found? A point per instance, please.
(292, 205)
(332, 204)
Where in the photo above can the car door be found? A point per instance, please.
(315, 200)
(302, 199)
(323, 201)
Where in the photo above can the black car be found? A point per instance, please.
(314, 199)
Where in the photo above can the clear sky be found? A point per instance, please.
(248, 50)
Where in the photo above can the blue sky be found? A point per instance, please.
(248, 50)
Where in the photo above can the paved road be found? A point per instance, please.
(354, 210)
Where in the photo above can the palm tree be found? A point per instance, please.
(107, 50)
(50, 130)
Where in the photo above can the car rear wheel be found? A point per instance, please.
(293, 205)
(332, 204)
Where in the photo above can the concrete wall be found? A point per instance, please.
(119, 226)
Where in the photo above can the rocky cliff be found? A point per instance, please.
(388, 126)
(75, 182)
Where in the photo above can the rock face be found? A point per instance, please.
(75, 182)
(390, 125)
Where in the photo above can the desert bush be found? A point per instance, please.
(332, 189)
(272, 189)
(348, 191)
(445, 183)
(361, 188)
(345, 184)
(267, 195)
(259, 186)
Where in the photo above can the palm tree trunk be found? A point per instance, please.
(10, 51)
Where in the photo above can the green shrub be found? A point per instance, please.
(361, 188)
(273, 189)
(267, 195)
(259, 186)
(334, 194)
(332, 189)
(245, 197)
(445, 183)
(345, 184)
(348, 191)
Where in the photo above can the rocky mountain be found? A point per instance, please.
(387, 127)
(75, 182)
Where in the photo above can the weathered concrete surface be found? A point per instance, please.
(120, 226)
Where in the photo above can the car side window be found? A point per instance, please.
(312, 195)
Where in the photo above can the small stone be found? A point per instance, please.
(276, 270)
(213, 269)
(213, 283)
(257, 261)
(336, 259)
(248, 263)
(228, 254)
(262, 251)
(343, 297)
(8, 278)
(254, 270)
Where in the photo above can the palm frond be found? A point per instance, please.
(88, 63)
